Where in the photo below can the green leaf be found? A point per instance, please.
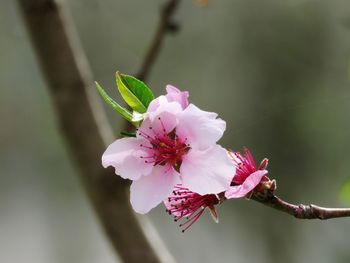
(135, 93)
(128, 134)
(344, 194)
(119, 109)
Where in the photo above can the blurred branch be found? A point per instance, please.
(301, 211)
(83, 124)
(166, 24)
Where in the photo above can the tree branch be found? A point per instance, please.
(83, 124)
(301, 211)
(165, 25)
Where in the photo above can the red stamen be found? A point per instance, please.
(187, 204)
(165, 148)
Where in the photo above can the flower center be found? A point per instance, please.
(166, 148)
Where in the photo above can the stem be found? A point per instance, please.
(301, 211)
(165, 25)
(83, 124)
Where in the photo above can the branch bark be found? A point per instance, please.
(301, 211)
(85, 129)
(165, 25)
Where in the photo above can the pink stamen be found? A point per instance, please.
(191, 221)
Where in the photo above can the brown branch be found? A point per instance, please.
(301, 211)
(84, 127)
(165, 25)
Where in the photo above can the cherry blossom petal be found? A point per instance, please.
(201, 128)
(153, 106)
(124, 155)
(160, 125)
(248, 185)
(175, 94)
(170, 107)
(207, 172)
(147, 192)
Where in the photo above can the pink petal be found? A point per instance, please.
(207, 172)
(147, 192)
(165, 106)
(175, 94)
(153, 106)
(124, 155)
(201, 128)
(248, 185)
(160, 123)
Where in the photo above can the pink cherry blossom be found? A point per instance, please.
(189, 206)
(248, 175)
(176, 143)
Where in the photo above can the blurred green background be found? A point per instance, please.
(276, 71)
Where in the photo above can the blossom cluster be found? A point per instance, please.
(175, 158)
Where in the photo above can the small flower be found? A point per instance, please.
(187, 205)
(176, 143)
(248, 175)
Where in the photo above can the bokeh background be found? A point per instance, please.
(276, 71)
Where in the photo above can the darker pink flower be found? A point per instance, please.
(248, 175)
(175, 144)
(189, 206)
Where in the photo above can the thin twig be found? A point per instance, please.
(165, 25)
(83, 124)
(301, 211)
